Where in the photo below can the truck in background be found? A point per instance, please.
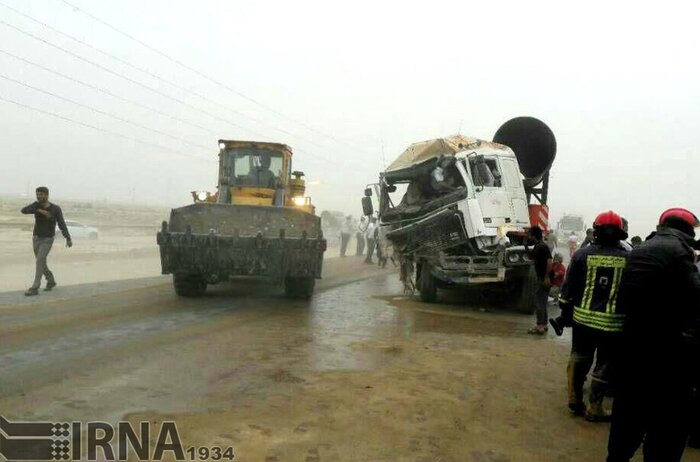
(571, 224)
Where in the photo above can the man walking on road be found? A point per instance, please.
(660, 296)
(46, 216)
(588, 305)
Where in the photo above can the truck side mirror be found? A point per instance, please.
(368, 192)
(367, 208)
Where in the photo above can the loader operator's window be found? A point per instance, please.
(485, 172)
(254, 167)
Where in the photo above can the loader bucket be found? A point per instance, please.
(245, 221)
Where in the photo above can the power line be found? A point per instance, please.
(128, 79)
(207, 77)
(98, 111)
(105, 69)
(109, 93)
(179, 101)
(103, 130)
(150, 73)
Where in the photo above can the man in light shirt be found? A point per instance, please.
(371, 240)
(345, 233)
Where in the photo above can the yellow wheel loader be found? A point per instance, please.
(258, 223)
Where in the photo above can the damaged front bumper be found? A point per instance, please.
(482, 269)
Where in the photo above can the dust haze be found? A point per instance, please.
(349, 87)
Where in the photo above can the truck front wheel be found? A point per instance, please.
(526, 292)
(189, 285)
(428, 286)
(299, 287)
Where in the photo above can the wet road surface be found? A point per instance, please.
(359, 373)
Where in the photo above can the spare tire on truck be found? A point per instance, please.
(526, 292)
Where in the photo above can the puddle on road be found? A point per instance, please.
(416, 317)
(355, 329)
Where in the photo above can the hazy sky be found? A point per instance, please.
(616, 82)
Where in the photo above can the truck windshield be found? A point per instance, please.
(254, 167)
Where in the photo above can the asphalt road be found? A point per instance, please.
(359, 373)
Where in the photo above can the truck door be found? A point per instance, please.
(518, 200)
(491, 190)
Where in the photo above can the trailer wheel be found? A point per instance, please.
(189, 285)
(526, 293)
(428, 286)
(299, 287)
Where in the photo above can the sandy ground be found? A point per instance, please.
(359, 373)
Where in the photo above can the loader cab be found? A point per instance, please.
(253, 173)
(260, 173)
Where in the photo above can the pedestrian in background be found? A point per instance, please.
(573, 243)
(360, 237)
(542, 259)
(660, 297)
(345, 232)
(588, 305)
(625, 226)
(551, 239)
(588, 239)
(369, 234)
(46, 217)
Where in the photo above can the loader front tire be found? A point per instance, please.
(189, 285)
(299, 287)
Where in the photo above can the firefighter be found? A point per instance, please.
(660, 296)
(588, 305)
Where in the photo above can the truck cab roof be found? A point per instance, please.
(423, 151)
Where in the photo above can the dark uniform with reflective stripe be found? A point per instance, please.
(589, 295)
(660, 294)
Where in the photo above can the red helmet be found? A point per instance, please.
(608, 218)
(682, 214)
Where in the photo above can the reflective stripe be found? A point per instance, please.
(590, 284)
(612, 298)
(603, 321)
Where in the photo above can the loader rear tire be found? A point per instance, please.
(189, 285)
(299, 287)
(428, 285)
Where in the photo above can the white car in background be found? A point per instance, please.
(80, 231)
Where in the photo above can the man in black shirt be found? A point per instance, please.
(46, 216)
(542, 257)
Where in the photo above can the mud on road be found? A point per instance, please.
(359, 373)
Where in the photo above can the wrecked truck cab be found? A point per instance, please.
(473, 233)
